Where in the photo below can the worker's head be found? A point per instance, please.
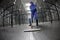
(31, 2)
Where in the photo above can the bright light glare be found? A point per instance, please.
(27, 8)
(14, 2)
(27, 4)
(31, 36)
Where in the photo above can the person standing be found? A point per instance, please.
(33, 14)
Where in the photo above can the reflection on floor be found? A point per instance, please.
(48, 32)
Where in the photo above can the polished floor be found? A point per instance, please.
(48, 32)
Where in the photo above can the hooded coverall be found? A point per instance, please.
(33, 13)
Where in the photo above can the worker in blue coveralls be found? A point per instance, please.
(33, 14)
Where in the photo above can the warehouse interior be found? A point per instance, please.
(14, 20)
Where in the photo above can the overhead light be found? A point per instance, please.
(27, 4)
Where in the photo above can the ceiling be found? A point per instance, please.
(54, 1)
(5, 3)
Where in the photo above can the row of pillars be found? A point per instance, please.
(11, 18)
(49, 10)
(56, 11)
(5, 16)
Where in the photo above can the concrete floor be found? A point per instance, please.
(48, 32)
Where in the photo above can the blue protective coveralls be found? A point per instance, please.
(33, 12)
